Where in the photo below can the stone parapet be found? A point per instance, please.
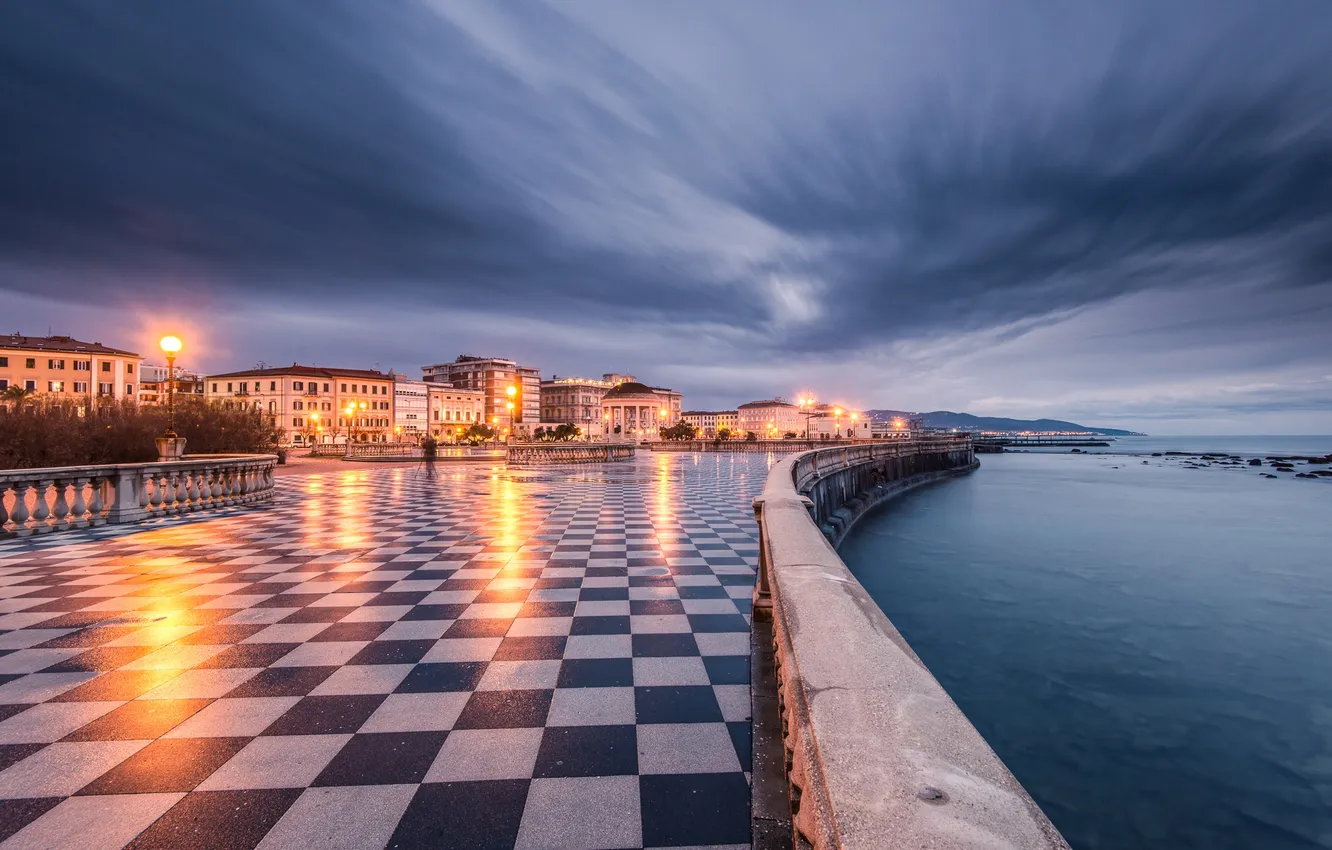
(37, 501)
(877, 754)
(543, 454)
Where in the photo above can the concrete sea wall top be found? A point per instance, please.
(878, 755)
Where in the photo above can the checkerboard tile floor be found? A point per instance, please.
(482, 658)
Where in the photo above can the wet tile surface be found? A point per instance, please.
(482, 658)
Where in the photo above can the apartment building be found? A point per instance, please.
(313, 404)
(453, 410)
(64, 367)
(576, 401)
(153, 384)
(493, 376)
(709, 422)
(770, 418)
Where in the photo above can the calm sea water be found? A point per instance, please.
(1148, 647)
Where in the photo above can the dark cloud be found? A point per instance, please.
(733, 196)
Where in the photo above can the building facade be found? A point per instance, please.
(62, 367)
(312, 404)
(411, 409)
(631, 411)
(709, 422)
(576, 401)
(153, 384)
(453, 410)
(770, 418)
(493, 376)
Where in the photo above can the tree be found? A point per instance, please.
(724, 434)
(790, 435)
(564, 432)
(478, 432)
(543, 435)
(679, 431)
(751, 437)
(16, 395)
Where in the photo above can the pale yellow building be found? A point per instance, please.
(64, 367)
(770, 418)
(453, 410)
(710, 422)
(310, 403)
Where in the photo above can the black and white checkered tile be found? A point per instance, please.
(482, 658)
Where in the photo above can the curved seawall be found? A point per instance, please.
(856, 744)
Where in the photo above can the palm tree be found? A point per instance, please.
(16, 395)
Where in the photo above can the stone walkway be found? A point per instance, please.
(482, 658)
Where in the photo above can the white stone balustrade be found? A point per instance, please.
(540, 454)
(38, 501)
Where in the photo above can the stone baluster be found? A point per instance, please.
(80, 507)
(160, 498)
(192, 489)
(216, 477)
(42, 511)
(4, 515)
(246, 485)
(60, 508)
(95, 505)
(20, 514)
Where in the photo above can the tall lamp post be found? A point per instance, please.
(837, 412)
(170, 446)
(512, 392)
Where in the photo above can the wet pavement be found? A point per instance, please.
(471, 659)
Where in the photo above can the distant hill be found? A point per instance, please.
(965, 421)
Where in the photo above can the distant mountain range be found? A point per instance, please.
(965, 421)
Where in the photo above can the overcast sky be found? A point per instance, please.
(1118, 213)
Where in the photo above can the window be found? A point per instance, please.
(55, 386)
(272, 386)
(30, 386)
(363, 389)
(242, 386)
(129, 368)
(30, 363)
(214, 383)
(296, 421)
(105, 389)
(4, 361)
(374, 390)
(272, 407)
(55, 364)
(129, 389)
(80, 386)
(325, 387)
(344, 388)
(82, 365)
(298, 405)
(228, 386)
(106, 366)
(4, 383)
(298, 385)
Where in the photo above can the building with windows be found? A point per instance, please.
(633, 411)
(312, 404)
(709, 422)
(411, 409)
(493, 376)
(770, 418)
(64, 367)
(453, 410)
(576, 401)
(153, 384)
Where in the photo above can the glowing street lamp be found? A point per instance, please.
(171, 345)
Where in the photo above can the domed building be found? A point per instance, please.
(632, 411)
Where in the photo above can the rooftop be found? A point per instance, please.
(300, 371)
(767, 402)
(19, 342)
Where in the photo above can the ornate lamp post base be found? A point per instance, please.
(170, 448)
